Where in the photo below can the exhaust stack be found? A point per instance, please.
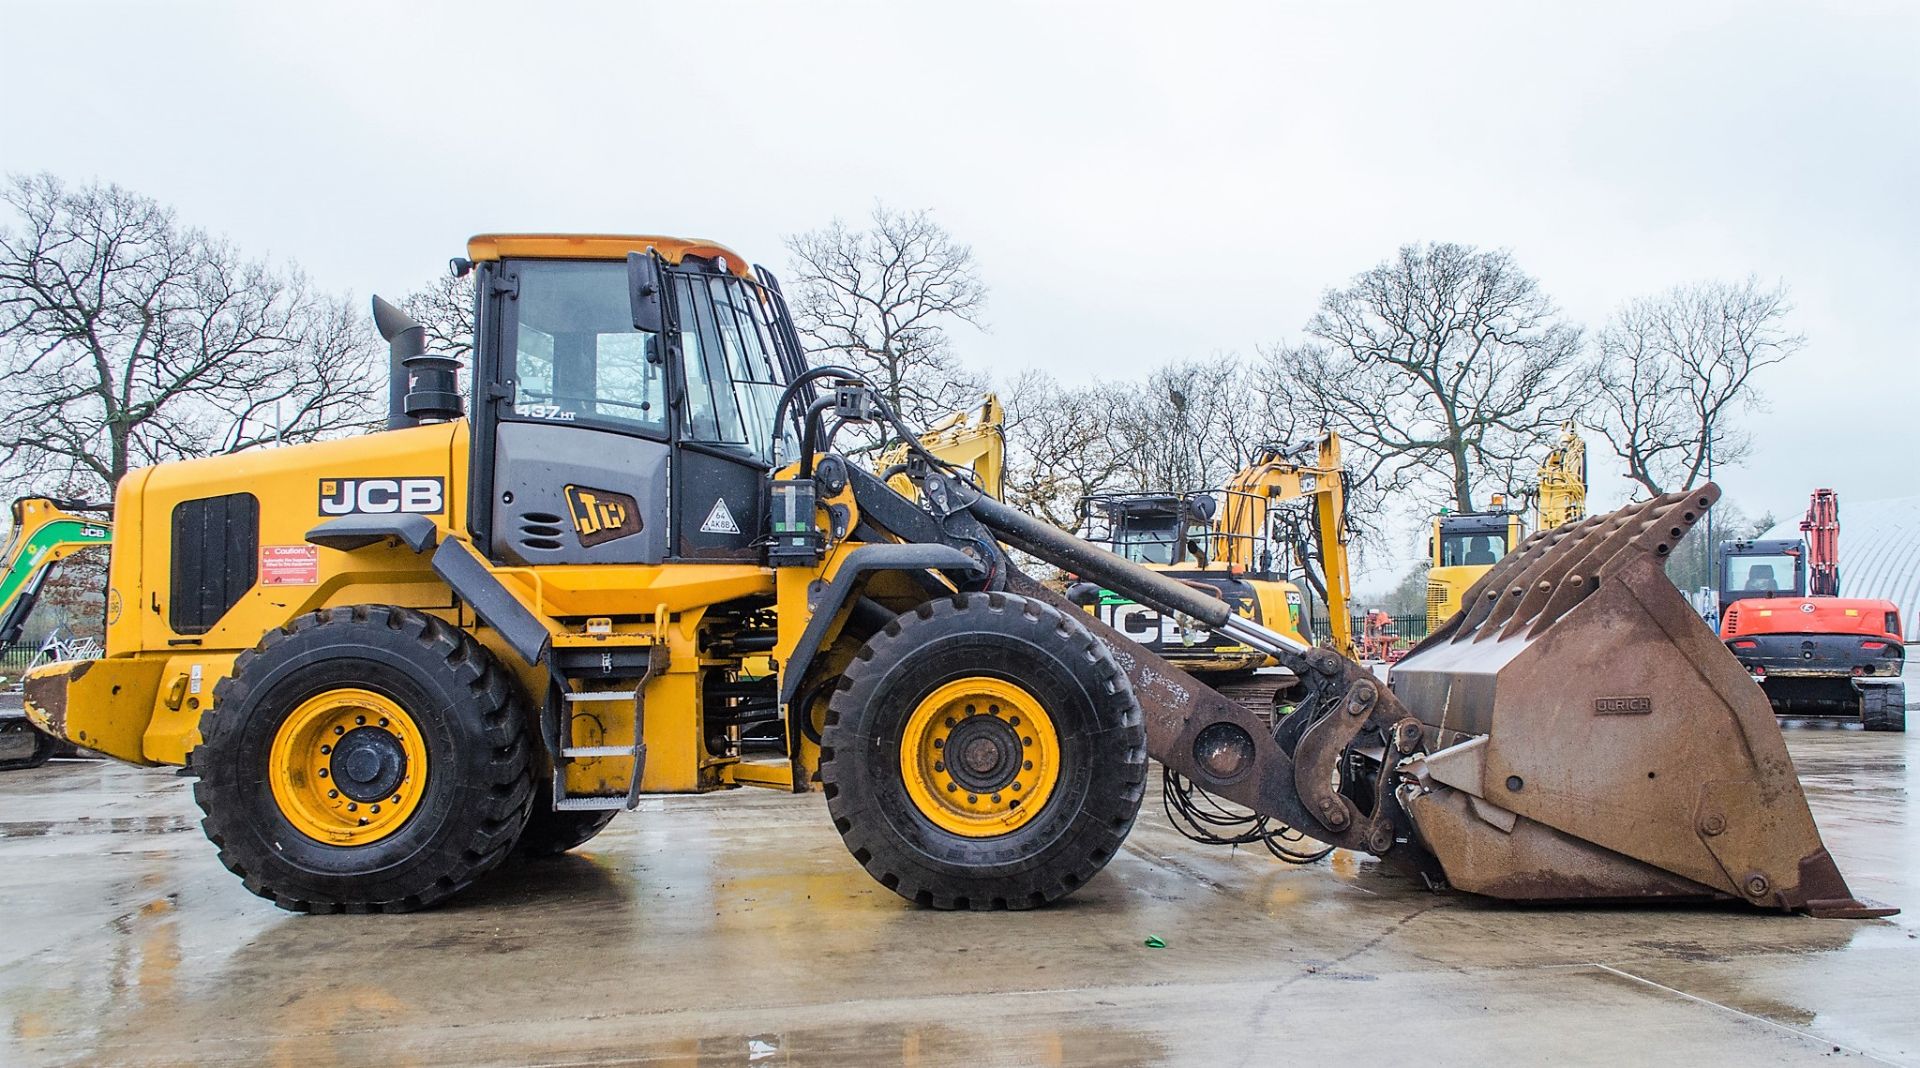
(421, 387)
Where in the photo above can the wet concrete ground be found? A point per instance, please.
(736, 930)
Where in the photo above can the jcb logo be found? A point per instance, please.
(602, 515)
(347, 496)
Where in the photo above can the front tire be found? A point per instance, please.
(983, 752)
(364, 759)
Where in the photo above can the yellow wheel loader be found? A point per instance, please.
(390, 660)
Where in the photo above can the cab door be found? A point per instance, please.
(573, 438)
(729, 384)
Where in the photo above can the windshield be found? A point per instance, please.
(1771, 575)
(1151, 540)
(576, 355)
(1471, 549)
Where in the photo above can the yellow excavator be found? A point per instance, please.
(45, 532)
(1234, 544)
(389, 661)
(1464, 546)
(972, 439)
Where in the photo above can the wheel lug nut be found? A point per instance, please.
(951, 787)
(994, 709)
(939, 743)
(376, 808)
(996, 799)
(939, 765)
(339, 730)
(1026, 741)
(323, 773)
(951, 721)
(325, 749)
(1026, 765)
(333, 793)
(1013, 721)
(360, 721)
(1016, 786)
(396, 799)
(383, 721)
(971, 798)
(351, 807)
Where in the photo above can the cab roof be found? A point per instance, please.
(600, 247)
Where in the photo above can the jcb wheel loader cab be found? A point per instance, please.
(367, 759)
(984, 752)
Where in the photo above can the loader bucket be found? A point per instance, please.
(1588, 736)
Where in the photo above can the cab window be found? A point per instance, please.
(731, 381)
(1458, 550)
(577, 357)
(1762, 576)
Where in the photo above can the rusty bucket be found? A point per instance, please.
(1588, 735)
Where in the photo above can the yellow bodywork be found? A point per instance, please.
(143, 701)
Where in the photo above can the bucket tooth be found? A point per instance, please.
(1590, 736)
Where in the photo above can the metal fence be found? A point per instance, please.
(14, 659)
(1409, 629)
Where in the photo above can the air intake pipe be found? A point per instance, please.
(421, 388)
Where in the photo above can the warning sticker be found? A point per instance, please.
(289, 565)
(720, 519)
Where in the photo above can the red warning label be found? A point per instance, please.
(289, 565)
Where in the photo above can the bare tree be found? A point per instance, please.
(1062, 446)
(880, 301)
(1446, 366)
(1673, 373)
(445, 308)
(127, 339)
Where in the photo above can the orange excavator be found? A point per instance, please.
(1814, 652)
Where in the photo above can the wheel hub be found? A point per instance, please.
(979, 757)
(347, 767)
(368, 764)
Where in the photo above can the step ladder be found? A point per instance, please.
(627, 667)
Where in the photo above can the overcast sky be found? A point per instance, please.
(1139, 183)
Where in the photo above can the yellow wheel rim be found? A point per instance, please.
(348, 767)
(980, 757)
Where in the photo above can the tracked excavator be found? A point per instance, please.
(1464, 545)
(390, 660)
(1233, 543)
(45, 532)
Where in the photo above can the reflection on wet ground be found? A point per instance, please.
(735, 930)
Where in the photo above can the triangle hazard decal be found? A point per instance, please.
(720, 520)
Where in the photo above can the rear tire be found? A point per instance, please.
(1884, 708)
(1034, 706)
(549, 833)
(288, 791)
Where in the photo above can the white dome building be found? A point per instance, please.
(1879, 553)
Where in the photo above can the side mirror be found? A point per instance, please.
(644, 291)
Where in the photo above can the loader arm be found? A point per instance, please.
(1512, 756)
